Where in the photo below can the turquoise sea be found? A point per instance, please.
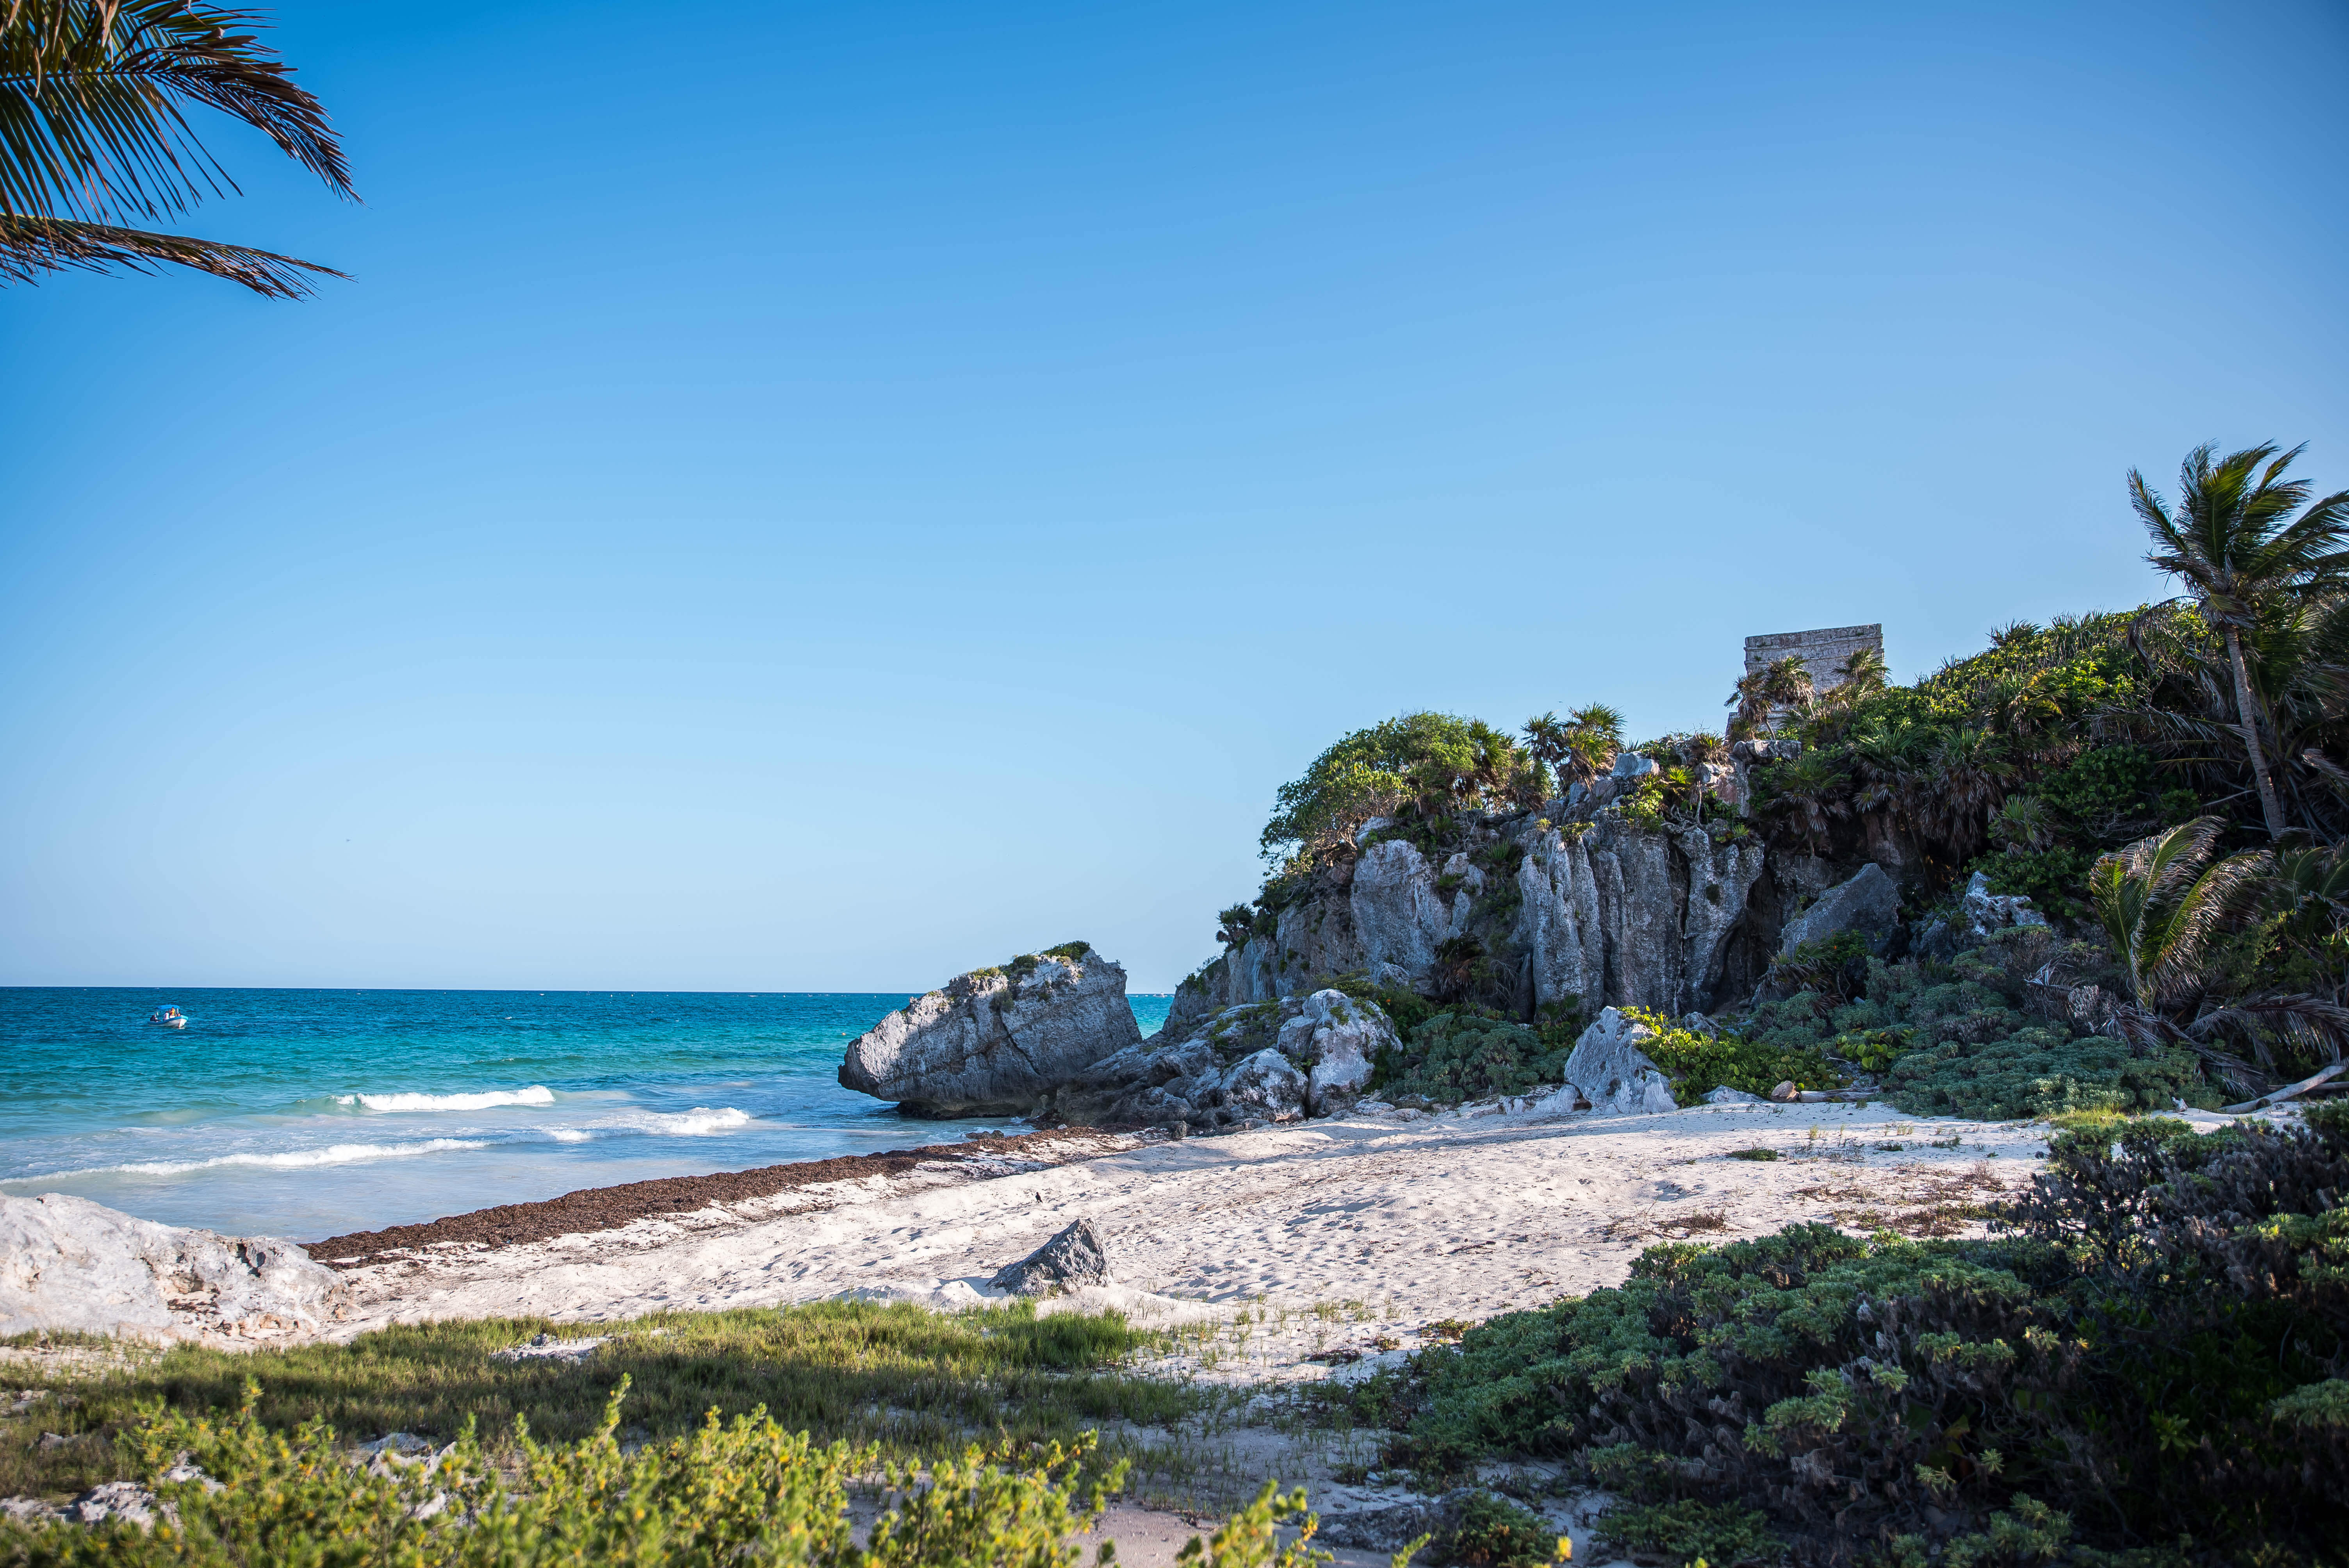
(307, 1114)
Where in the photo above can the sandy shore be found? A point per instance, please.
(1400, 1222)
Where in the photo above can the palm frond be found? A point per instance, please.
(91, 92)
(33, 248)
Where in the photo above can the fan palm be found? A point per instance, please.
(94, 132)
(2161, 901)
(1595, 735)
(2234, 542)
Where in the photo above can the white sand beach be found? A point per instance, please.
(1411, 1220)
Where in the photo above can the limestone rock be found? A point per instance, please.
(1339, 1044)
(1077, 1257)
(1613, 1073)
(1726, 1095)
(1868, 902)
(1266, 1085)
(995, 1042)
(1399, 917)
(1151, 1084)
(68, 1263)
(1988, 912)
(1632, 765)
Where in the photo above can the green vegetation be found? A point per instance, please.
(1493, 1532)
(1698, 1064)
(1461, 1051)
(2156, 1339)
(918, 1384)
(1468, 1054)
(99, 96)
(1988, 1034)
(1429, 763)
(744, 1492)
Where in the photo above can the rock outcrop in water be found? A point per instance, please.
(997, 1041)
(68, 1264)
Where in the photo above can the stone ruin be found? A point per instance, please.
(1823, 652)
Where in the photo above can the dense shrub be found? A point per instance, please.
(2041, 1070)
(1982, 1036)
(1467, 1055)
(1698, 1064)
(743, 1493)
(2156, 1344)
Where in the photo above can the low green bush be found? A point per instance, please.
(1489, 1531)
(1698, 1064)
(1980, 1036)
(2041, 1070)
(1468, 1054)
(2156, 1338)
(917, 1384)
(237, 1494)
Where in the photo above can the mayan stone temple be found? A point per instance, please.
(1823, 652)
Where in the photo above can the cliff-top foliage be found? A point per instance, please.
(2149, 1357)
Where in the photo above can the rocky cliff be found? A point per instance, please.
(1578, 904)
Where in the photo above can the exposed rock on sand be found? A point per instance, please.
(994, 1042)
(1077, 1257)
(1613, 1073)
(1271, 1061)
(68, 1263)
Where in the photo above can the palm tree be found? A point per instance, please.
(1594, 734)
(2161, 901)
(94, 132)
(1750, 698)
(1545, 738)
(1864, 674)
(2235, 543)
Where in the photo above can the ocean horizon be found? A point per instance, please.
(305, 1113)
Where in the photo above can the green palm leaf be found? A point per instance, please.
(94, 129)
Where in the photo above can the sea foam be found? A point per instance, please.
(488, 1100)
(287, 1159)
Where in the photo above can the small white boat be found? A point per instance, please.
(170, 1018)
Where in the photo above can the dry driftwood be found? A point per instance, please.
(2290, 1091)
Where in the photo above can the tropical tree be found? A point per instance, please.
(1751, 700)
(1235, 925)
(1594, 735)
(96, 136)
(2234, 540)
(1545, 738)
(2162, 902)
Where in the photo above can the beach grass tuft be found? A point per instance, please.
(920, 1385)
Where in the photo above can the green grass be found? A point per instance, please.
(918, 1384)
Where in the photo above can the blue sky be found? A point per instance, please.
(821, 497)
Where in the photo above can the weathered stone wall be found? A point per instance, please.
(1823, 652)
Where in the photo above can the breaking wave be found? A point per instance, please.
(488, 1100)
(285, 1159)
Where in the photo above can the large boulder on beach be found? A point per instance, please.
(1265, 1086)
(68, 1264)
(1079, 1255)
(1613, 1073)
(997, 1042)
